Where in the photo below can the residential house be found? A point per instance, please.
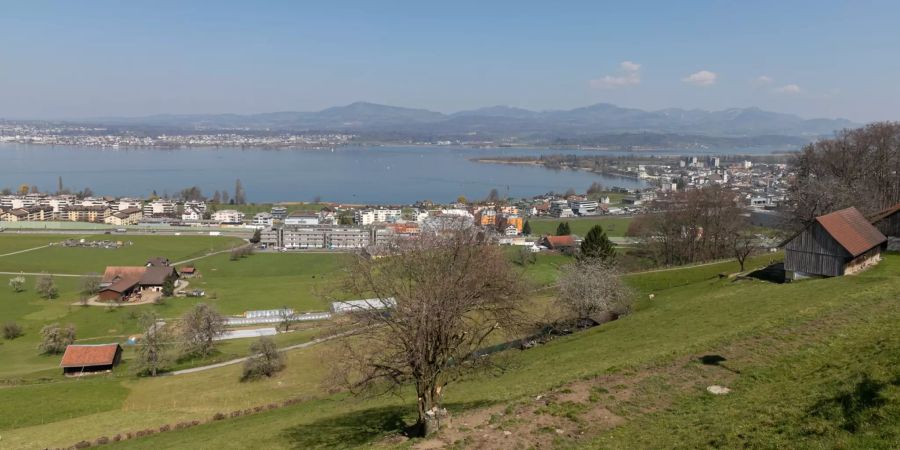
(566, 244)
(191, 214)
(81, 213)
(160, 208)
(130, 216)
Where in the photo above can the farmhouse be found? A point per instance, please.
(839, 243)
(119, 282)
(81, 359)
(888, 223)
(561, 243)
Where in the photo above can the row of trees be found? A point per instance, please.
(856, 168)
(695, 226)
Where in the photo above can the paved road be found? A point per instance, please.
(240, 360)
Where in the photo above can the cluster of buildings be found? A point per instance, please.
(59, 134)
(113, 211)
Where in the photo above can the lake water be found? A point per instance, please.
(389, 175)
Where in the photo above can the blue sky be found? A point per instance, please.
(103, 58)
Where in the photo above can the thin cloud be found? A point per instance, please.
(764, 80)
(629, 75)
(701, 78)
(789, 89)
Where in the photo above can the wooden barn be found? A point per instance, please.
(840, 243)
(888, 221)
(82, 359)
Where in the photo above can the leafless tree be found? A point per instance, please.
(17, 283)
(590, 288)
(743, 244)
(692, 226)
(90, 285)
(46, 287)
(287, 318)
(199, 328)
(152, 353)
(448, 293)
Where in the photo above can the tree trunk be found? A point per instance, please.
(431, 414)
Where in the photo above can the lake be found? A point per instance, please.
(388, 175)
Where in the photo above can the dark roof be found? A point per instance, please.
(113, 274)
(156, 275)
(850, 229)
(884, 214)
(122, 285)
(90, 355)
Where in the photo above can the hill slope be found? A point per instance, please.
(810, 364)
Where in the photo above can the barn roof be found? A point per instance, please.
(561, 241)
(156, 275)
(114, 273)
(852, 230)
(89, 355)
(885, 213)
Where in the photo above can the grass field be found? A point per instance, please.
(796, 346)
(79, 260)
(614, 226)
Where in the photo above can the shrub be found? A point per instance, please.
(46, 287)
(219, 416)
(102, 440)
(83, 444)
(164, 428)
(265, 360)
(11, 330)
(55, 339)
(17, 284)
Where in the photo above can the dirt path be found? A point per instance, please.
(24, 251)
(240, 360)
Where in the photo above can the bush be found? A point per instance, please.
(265, 360)
(219, 416)
(55, 339)
(11, 330)
(46, 287)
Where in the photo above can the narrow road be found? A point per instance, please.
(178, 263)
(240, 360)
(24, 251)
(37, 274)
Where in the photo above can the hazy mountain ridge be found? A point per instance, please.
(600, 118)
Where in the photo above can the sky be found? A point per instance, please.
(63, 59)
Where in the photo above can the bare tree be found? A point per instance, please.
(46, 287)
(90, 285)
(743, 245)
(55, 339)
(447, 294)
(151, 354)
(590, 288)
(199, 328)
(287, 318)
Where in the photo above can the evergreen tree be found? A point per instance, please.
(563, 229)
(526, 229)
(597, 245)
(257, 236)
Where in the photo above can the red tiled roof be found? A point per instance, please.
(89, 355)
(850, 229)
(561, 241)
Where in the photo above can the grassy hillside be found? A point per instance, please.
(793, 355)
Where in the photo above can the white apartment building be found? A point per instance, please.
(369, 216)
(126, 203)
(228, 216)
(160, 208)
(302, 218)
(191, 214)
(196, 204)
(263, 219)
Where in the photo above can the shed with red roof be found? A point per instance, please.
(81, 359)
(840, 243)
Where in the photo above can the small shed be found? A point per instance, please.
(82, 359)
(840, 243)
(888, 221)
(561, 243)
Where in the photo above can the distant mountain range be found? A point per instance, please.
(594, 120)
